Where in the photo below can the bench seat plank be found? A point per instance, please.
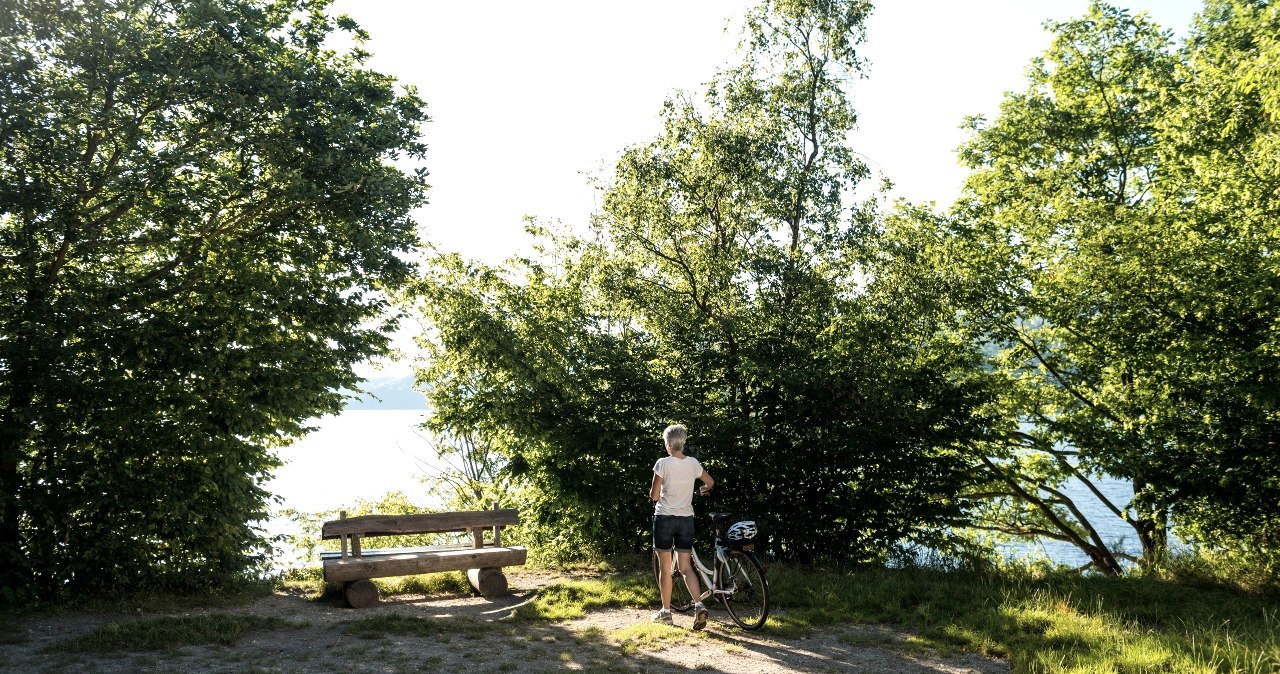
(429, 523)
(376, 552)
(410, 563)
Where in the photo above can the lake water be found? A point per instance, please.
(366, 453)
(359, 454)
(1113, 531)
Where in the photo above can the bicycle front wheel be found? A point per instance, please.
(747, 598)
(680, 600)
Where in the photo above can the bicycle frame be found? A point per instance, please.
(710, 577)
(740, 570)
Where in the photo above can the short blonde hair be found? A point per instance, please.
(675, 435)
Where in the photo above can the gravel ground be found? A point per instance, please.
(476, 634)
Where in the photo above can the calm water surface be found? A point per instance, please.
(359, 454)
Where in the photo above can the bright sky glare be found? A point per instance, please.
(529, 98)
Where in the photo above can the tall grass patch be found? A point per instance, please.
(430, 584)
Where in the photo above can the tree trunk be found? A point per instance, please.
(15, 433)
(1153, 531)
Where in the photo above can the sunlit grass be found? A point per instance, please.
(1054, 624)
(650, 637)
(450, 583)
(571, 600)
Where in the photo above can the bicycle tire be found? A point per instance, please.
(748, 603)
(680, 599)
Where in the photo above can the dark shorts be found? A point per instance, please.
(672, 531)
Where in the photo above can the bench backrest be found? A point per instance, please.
(430, 523)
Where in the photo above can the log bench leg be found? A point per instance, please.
(489, 581)
(361, 593)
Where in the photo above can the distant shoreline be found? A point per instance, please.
(386, 393)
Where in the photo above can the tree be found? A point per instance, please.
(722, 289)
(200, 220)
(1110, 247)
(1061, 184)
(1217, 281)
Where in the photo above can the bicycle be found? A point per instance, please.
(737, 578)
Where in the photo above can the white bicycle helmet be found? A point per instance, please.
(742, 532)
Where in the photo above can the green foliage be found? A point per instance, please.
(722, 289)
(1245, 567)
(1112, 256)
(1218, 277)
(201, 223)
(153, 634)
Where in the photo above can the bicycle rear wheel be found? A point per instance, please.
(680, 600)
(748, 599)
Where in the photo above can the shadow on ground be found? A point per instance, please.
(462, 633)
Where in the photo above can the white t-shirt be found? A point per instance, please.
(678, 476)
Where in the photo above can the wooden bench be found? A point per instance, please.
(482, 559)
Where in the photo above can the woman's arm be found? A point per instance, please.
(707, 482)
(655, 489)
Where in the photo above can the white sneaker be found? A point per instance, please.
(699, 616)
(663, 617)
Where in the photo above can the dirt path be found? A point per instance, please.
(475, 635)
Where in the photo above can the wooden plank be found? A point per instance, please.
(497, 531)
(342, 516)
(408, 564)
(339, 570)
(427, 523)
(382, 552)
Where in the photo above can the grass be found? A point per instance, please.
(572, 599)
(310, 583)
(453, 582)
(1062, 624)
(1059, 624)
(154, 634)
(11, 631)
(650, 637)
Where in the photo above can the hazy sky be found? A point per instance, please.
(529, 98)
